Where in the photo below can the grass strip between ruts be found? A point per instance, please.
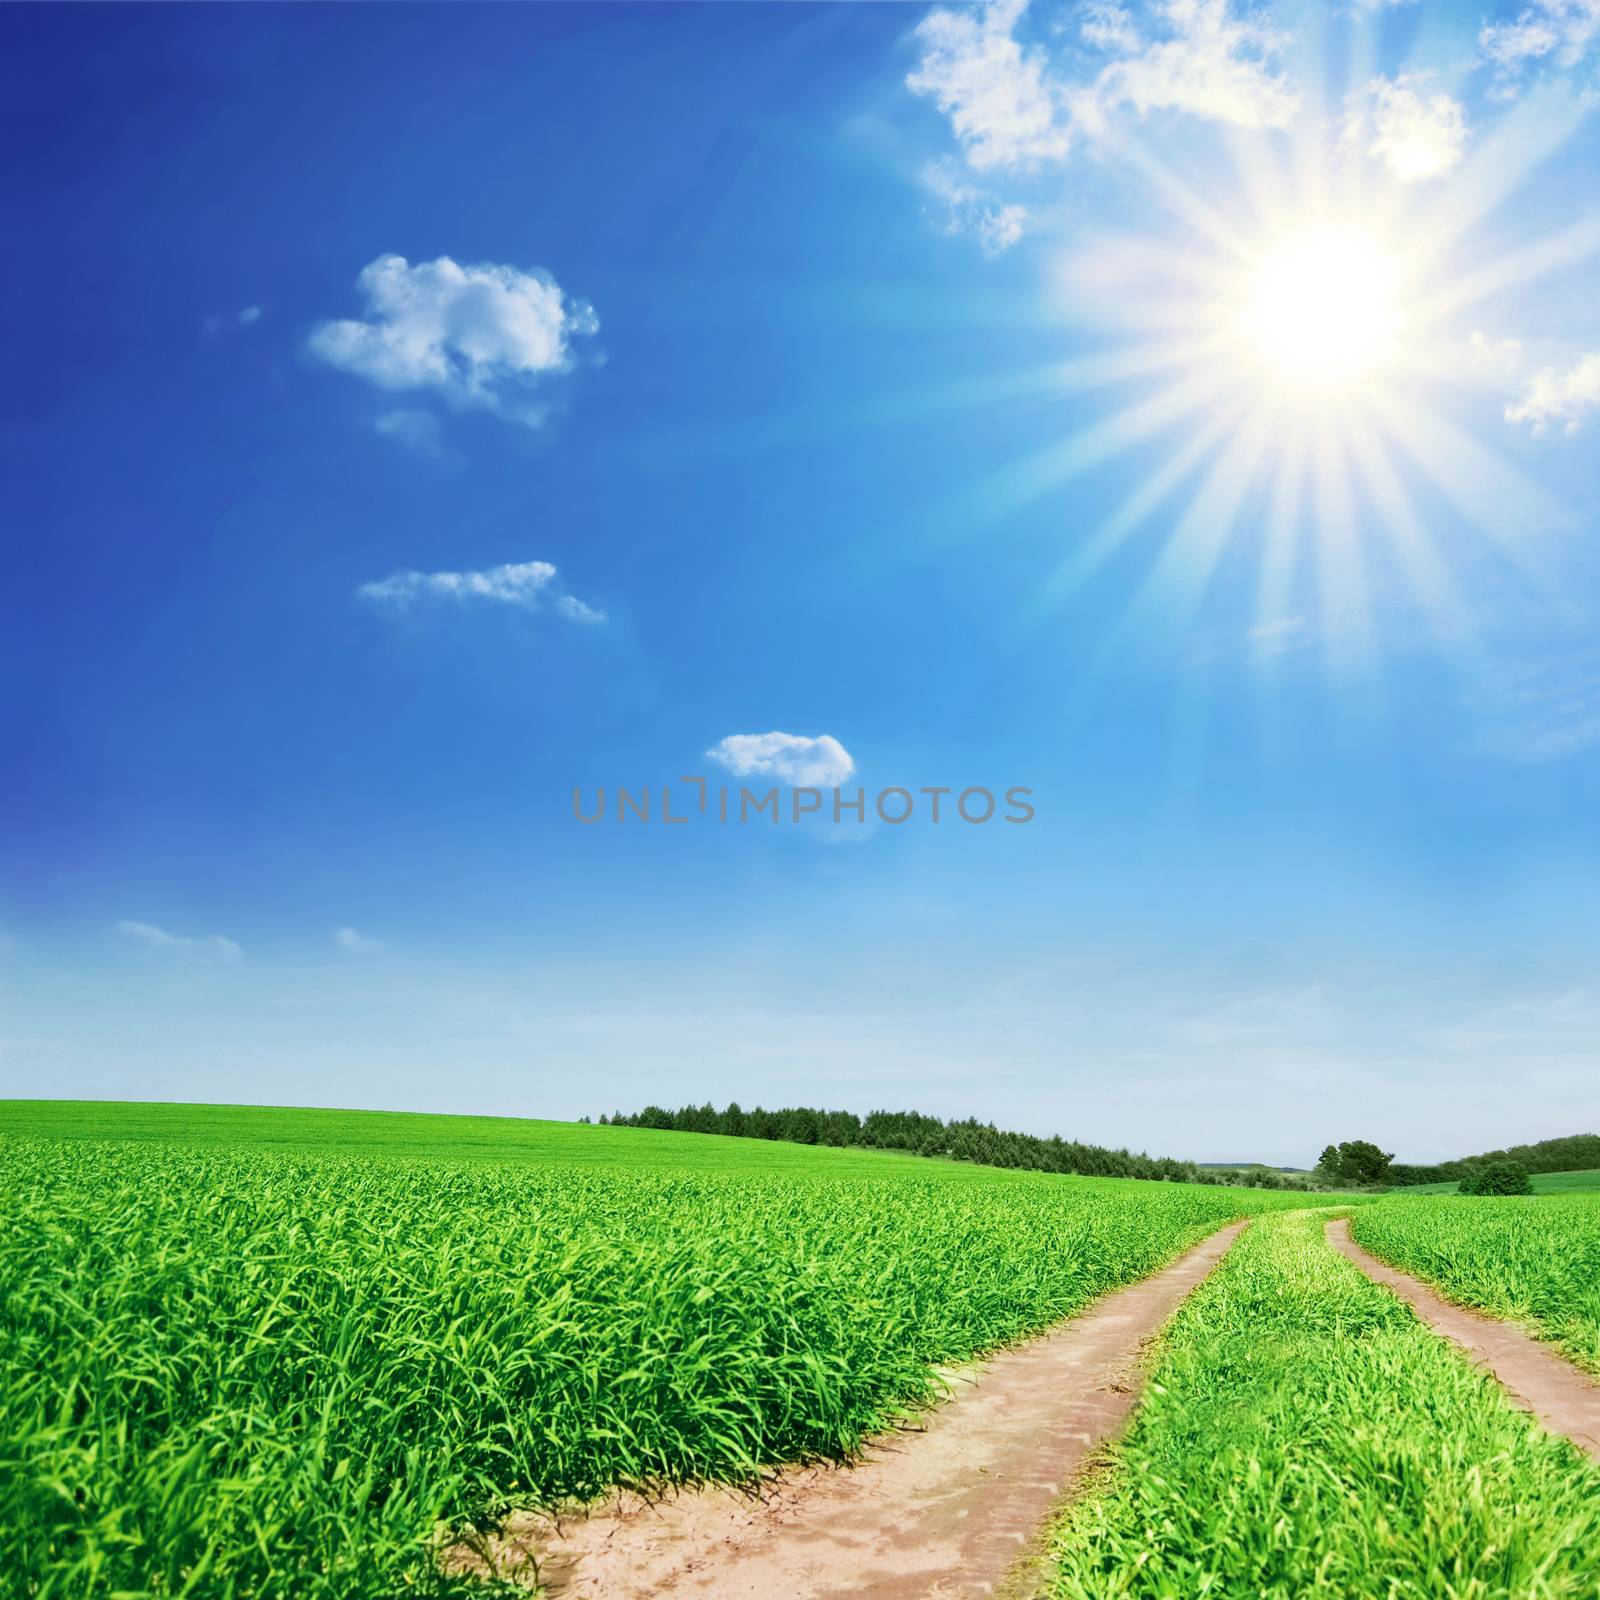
(1304, 1434)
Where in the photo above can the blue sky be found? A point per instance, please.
(1186, 411)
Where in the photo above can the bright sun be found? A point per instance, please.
(1318, 311)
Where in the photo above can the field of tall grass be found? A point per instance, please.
(229, 1369)
(1305, 1435)
(1536, 1261)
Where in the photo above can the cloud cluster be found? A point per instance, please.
(153, 938)
(1002, 109)
(1010, 108)
(820, 763)
(1547, 31)
(1559, 397)
(530, 585)
(1017, 108)
(356, 943)
(996, 225)
(1203, 59)
(1416, 137)
(480, 336)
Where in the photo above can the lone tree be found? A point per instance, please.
(1497, 1177)
(1356, 1161)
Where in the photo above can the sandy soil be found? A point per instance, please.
(1536, 1378)
(947, 1509)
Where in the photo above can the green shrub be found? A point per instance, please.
(1498, 1177)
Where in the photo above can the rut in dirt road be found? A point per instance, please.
(941, 1511)
(1536, 1378)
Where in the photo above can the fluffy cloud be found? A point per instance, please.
(1415, 137)
(1559, 397)
(1000, 106)
(1559, 31)
(530, 585)
(996, 225)
(154, 938)
(356, 943)
(1205, 61)
(820, 763)
(1008, 110)
(477, 335)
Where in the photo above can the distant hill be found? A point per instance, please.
(1245, 1166)
(1577, 1152)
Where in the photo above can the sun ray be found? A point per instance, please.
(1176, 585)
(1090, 554)
(1433, 585)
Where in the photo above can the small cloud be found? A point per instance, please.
(217, 322)
(1415, 137)
(1109, 26)
(820, 763)
(481, 336)
(1547, 31)
(357, 943)
(996, 226)
(1501, 358)
(1002, 109)
(529, 585)
(1560, 397)
(154, 938)
(416, 429)
(574, 610)
(1280, 636)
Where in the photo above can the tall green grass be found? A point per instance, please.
(251, 1375)
(1534, 1260)
(1305, 1435)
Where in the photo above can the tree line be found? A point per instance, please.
(1577, 1152)
(918, 1134)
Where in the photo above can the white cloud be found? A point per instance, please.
(820, 763)
(1009, 110)
(154, 938)
(530, 585)
(416, 429)
(1500, 357)
(357, 943)
(1558, 31)
(479, 335)
(216, 322)
(1108, 25)
(1415, 137)
(1563, 398)
(996, 225)
(1210, 63)
(1000, 106)
(574, 610)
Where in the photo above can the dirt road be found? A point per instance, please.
(1564, 1399)
(945, 1510)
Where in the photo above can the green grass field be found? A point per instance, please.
(406, 1134)
(1534, 1259)
(1543, 1183)
(250, 1353)
(1304, 1435)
